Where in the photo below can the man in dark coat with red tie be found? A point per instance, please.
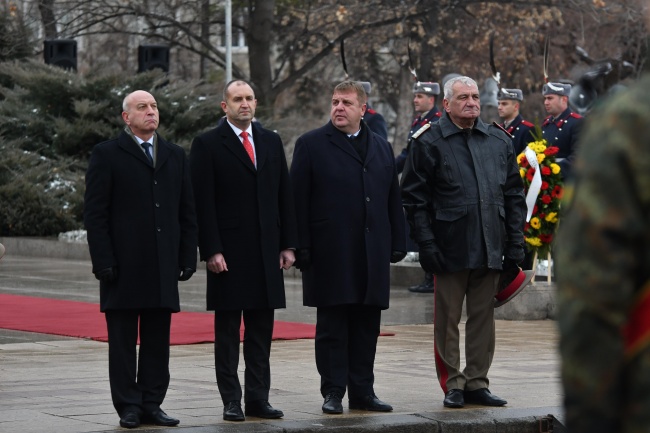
(351, 227)
(247, 236)
(142, 236)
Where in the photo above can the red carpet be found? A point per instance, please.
(84, 320)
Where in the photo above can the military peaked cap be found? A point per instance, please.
(515, 94)
(366, 86)
(426, 88)
(556, 89)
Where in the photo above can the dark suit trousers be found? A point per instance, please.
(346, 343)
(258, 333)
(144, 387)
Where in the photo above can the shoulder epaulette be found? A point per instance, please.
(503, 129)
(419, 132)
(575, 115)
(371, 111)
(527, 123)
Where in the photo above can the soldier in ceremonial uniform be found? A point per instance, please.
(603, 270)
(513, 122)
(375, 121)
(521, 131)
(424, 102)
(562, 127)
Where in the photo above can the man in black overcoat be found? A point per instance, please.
(247, 236)
(351, 227)
(142, 234)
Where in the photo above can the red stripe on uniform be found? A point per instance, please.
(636, 331)
(440, 366)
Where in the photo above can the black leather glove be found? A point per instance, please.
(509, 264)
(185, 274)
(431, 258)
(397, 256)
(107, 274)
(509, 271)
(303, 259)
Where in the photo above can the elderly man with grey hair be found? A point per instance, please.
(465, 204)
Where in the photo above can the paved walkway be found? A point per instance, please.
(58, 384)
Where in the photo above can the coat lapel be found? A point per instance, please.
(164, 150)
(129, 145)
(337, 138)
(261, 150)
(234, 145)
(372, 146)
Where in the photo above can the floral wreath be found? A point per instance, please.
(539, 230)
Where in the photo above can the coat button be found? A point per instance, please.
(365, 170)
(158, 229)
(368, 199)
(155, 182)
(367, 230)
(157, 204)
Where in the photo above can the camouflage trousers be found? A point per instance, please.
(605, 390)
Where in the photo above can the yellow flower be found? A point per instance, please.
(535, 223)
(540, 157)
(536, 242)
(555, 168)
(551, 217)
(538, 146)
(520, 158)
(522, 172)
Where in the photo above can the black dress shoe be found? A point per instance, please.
(232, 411)
(454, 398)
(333, 403)
(422, 288)
(484, 397)
(262, 409)
(370, 402)
(425, 286)
(159, 417)
(130, 419)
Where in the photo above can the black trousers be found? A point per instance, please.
(258, 333)
(138, 381)
(346, 343)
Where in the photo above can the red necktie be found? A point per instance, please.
(248, 146)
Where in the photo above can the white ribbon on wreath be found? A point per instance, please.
(535, 184)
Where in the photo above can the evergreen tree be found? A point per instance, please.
(14, 35)
(51, 118)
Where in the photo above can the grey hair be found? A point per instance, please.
(125, 104)
(449, 84)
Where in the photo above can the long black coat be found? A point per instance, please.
(246, 214)
(349, 216)
(141, 220)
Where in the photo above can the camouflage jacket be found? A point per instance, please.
(603, 265)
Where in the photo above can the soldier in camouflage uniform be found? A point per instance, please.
(603, 266)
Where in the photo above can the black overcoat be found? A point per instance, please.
(247, 214)
(141, 220)
(350, 217)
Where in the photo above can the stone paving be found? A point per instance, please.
(60, 384)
